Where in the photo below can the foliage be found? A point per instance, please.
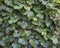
(29, 23)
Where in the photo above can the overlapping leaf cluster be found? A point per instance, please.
(29, 23)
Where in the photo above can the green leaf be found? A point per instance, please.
(48, 24)
(16, 34)
(35, 19)
(12, 20)
(22, 34)
(9, 2)
(39, 30)
(21, 1)
(27, 8)
(18, 7)
(58, 10)
(30, 1)
(44, 44)
(15, 45)
(41, 16)
(30, 14)
(22, 41)
(57, 1)
(23, 24)
(28, 33)
(35, 23)
(37, 9)
(8, 10)
(1, 43)
(55, 40)
(1, 20)
(32, 42)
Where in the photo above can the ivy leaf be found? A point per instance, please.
(55, 41)
(34, 43)
(41, 16)
(48, 24)
(28, 33)
(21, 1)
(18, 7)
(9, 2)
(16, 34)
(12, 20)
(22, 41)
(1, 20)
(8, 10)
(30, 1)
(27, 8)
(37, 9)
(57, 1)
(30, 14)
(15, 45)
(35, 23)
(58, 10)
(23, 24)
(1, 43)
(39, 30)
(44, 44)
(35, 19)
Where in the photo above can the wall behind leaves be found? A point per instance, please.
(29, 23)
